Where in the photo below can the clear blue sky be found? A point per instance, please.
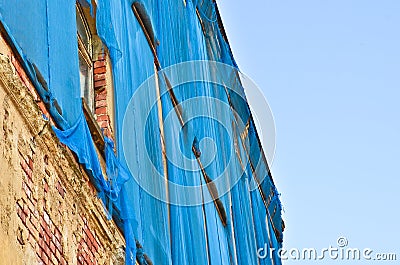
(330, 70)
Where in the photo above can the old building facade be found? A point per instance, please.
(50, 210)
(75, 189)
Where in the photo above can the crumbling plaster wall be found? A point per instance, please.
(49, 212)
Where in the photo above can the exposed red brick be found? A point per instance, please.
(58, 186)
(21, 214)
(102, 118)
(88, 246)
(42, 107)
(99, 83)
(42, 245)
(104, 124)
(35, 224)
(30, 164)
(100, 70)
(80, 259)
(99, 76)
(31, 240)
(42, 226)
(31, 205)
(53, 259)
(20, 203)
(95, 247)
(58, 254)
(23, 76)
(29, 182)
(89, 258)
(27, 190)
(26, 209)
(63, 261)
(52, 247)
(90, 236)
(101, 96)
(47, 250)
(102, 110)
(44, 257)
(38, 250)
(108, 133)
(46, 187)
(46, 218)
(30, 226)
(25, 168)
(35, 212)
(101, 103)
(36, 232)
(45, 236)
(57, 234)
(60, 189)
(58, 245)
(102, 92)
(23, 164)
(99, 63)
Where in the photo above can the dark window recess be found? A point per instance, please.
(84, 37)
(174, 100)
(145, 22)
(210, 184)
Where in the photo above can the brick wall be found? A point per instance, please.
(102, 85)
(89, 245)
(49, 211)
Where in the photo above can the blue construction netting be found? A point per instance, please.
(150, 139)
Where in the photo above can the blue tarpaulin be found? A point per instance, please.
(160, 147)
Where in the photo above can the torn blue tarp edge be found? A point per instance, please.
(29, 68)
(105, 30)
(108, 190)
(117, 174)
(78, 139)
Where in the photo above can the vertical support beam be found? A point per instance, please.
(163, 147)
(205, 222)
